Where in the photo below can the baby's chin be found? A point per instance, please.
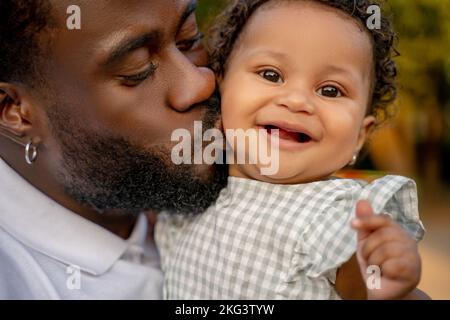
(286, 174)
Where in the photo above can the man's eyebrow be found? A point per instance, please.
(190, 9)
(151, 38)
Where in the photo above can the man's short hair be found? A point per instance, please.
(22, 23)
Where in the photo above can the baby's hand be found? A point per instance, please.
(385, 246)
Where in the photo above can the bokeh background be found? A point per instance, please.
(416, 143)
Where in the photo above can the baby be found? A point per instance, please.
(313, 75)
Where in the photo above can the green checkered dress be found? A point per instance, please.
(270, 241)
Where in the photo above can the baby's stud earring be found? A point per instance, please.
(353, 161)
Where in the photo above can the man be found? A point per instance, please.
(86, 120)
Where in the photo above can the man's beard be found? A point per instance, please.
(111, 173)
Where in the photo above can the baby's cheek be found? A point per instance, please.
(343, 126)
(343, 136)
(229, 115)
(236, 113)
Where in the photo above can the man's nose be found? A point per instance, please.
(190, 84)
(296, 101)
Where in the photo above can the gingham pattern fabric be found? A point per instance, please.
(269, 241)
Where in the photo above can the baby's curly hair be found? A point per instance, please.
(229, 24)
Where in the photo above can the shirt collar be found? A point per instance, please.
(49, 228)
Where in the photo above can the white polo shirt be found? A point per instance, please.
(49, 252)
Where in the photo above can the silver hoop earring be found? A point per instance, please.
(353, 161)
(30, 153)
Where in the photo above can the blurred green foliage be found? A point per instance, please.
(207, 10)
(423, 27)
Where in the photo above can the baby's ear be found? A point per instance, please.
(367, 127)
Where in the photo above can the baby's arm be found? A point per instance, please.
(381, 243)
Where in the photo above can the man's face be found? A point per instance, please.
(119, 87)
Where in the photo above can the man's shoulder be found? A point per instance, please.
(21, 276)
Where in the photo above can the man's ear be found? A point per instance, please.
(367, 126)
(15, 114)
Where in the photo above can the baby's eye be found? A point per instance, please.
(330, 92)
(271, 75)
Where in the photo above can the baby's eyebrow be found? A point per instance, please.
(334, 69)
(267, 52)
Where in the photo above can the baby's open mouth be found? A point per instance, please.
(300, 137)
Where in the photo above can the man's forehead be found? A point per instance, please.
(101, 10)
(107, 23)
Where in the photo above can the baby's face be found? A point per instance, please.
(306, 70)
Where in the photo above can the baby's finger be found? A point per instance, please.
(405, 267)
(371, 223)
(363, 209)
(385, 252)
(382, 236)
